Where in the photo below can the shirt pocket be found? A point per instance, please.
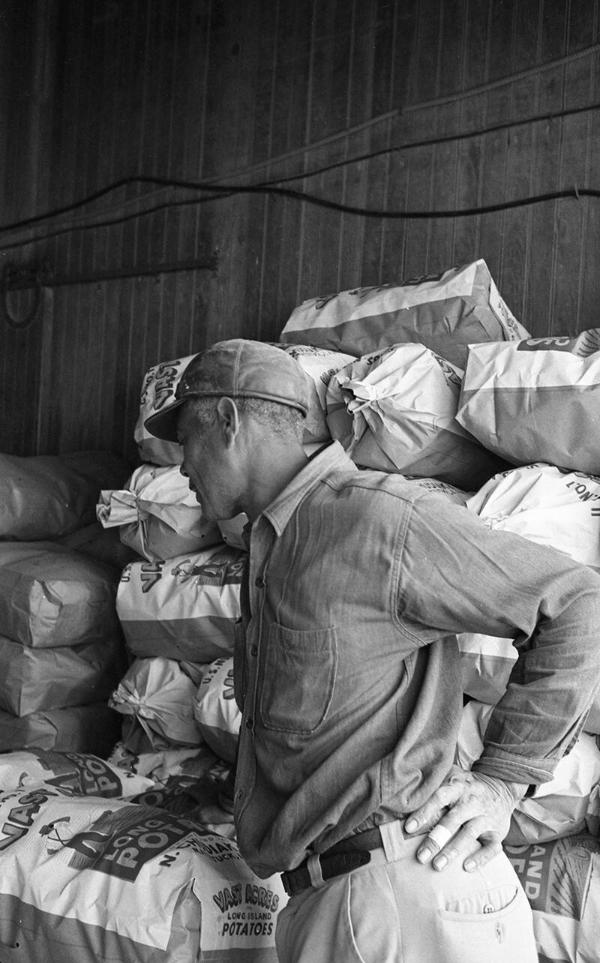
(298, 679)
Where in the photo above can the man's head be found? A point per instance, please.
(238, 413)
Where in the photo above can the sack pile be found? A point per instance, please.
(393, 397)
(446, 383)
(90, 879)
(61, 647)
(115, 843)
(177, 604)
(410, 378)
(561, 880)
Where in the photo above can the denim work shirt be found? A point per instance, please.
(347, 668)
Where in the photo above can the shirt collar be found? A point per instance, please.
(324, 461)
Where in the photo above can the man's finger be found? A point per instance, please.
(429, 814)
(487, 851)
(435, 841)
(455, 837)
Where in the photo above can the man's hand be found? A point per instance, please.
(466, 818)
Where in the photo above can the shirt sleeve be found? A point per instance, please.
(457, 575)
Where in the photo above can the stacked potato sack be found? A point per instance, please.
(177, 604)
(393, 404)
(446, 383)
(90, 875)
(411, 424)
(561, 880)
(61, 647)
(555, 507)
(535, 405)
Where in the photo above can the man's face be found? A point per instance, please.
(210, 466)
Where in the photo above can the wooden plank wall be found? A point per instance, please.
(418, 106)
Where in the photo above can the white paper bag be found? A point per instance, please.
(158, 390)
(395, 411)
(157, 514)
(536, 400)
(445, 312)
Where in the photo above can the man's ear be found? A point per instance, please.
(228, 419)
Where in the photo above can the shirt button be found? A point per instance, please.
(260, 582)
(254, 650)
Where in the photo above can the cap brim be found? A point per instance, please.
(163, 424)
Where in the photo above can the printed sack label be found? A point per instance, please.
(216, 711)
(164, 764)
(108, 880)
(74, 773)
(536, 400)
(183, 608)
(158, 390)
(548, 505)
(446, 312)
(562, 882)
(319, 364)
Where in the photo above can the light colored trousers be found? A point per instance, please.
(395, 910)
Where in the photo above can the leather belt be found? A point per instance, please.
(343, 857)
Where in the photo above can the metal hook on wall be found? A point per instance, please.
(10, 275)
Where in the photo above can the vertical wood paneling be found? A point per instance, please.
(249, 91)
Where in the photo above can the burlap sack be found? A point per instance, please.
(445, 312)
(536, 400)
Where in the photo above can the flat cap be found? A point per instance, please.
(238, 368)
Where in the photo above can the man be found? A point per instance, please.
(348, 676)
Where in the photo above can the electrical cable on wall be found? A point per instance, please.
(228, 190)
(219, 191)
